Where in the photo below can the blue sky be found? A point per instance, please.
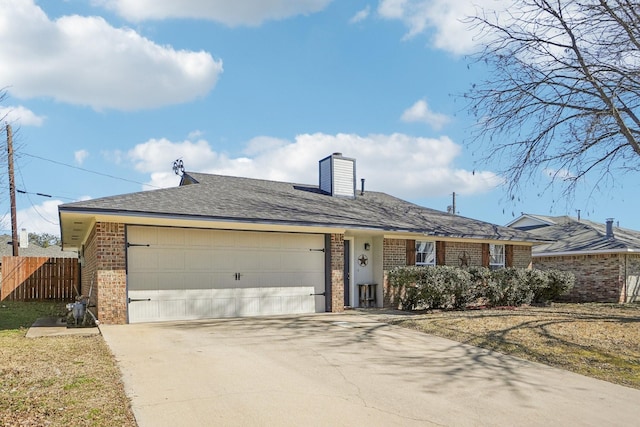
(258, 88)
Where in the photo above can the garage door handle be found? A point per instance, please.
(323, 294)
(138, 299)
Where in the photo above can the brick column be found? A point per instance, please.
(337, 273)
(104, 272)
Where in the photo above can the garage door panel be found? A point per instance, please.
(194, 273)
(270, 240)
(200, 308)
(222, 280)
(173, 309)
(198, 238)
(199, 259)
(144, 281)
(194, 280)
(247, 306)
(301, 261)
(142, 259)
(303, 242)
(247, 240)
(270, 261)
(142, 235)
(223, 260)
(169, 281)
(247, 260)
(270, 305)
(171, 260)
(171, 236)
(223, 239)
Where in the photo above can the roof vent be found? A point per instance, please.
(609, 228)
(338, 176)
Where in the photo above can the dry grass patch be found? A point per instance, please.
(57, 381)
(598, 340)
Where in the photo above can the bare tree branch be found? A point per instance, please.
(564, 91)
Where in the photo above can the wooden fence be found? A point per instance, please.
(39, 278)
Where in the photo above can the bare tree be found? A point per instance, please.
(563, 94)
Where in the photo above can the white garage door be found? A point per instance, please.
(180, 273)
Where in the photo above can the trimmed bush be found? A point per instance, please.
(451, 287)
(509, 287)
(558, 283)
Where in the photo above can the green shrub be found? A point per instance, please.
(509, 287)
(481, 280)
(538, 282)
(558, 283)
(460, 289)
(449, 287)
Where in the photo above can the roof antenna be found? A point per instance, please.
(178, 167)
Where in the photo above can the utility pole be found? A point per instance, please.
(12, 192)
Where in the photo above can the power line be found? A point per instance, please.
(87, 170)
(31, 201)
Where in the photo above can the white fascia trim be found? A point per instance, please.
(531, 217)
(573, 253)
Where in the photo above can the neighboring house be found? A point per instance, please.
(31, 250)
(221, 246)
(53, 251)
(604, 258)
(53, 286)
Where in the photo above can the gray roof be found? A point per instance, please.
(226, 198)
(572, 235)
(53, 251)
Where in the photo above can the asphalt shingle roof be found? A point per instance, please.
(227, 198)
(572, 235)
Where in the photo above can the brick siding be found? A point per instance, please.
(455, 250)
(599, 278)
(104, 272)
(394, 254)
(522, 256)
(337, 273)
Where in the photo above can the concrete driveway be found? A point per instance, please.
(344, 370)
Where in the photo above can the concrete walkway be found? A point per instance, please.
(55, 326)
(345, 370)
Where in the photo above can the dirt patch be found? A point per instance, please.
(598, 340)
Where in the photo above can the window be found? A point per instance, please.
(425, 253)
(496, 256)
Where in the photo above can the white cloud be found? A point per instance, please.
(562, 174)
(360, 15)
(80, 156)
(398, 164)
(21, 115)
(42, 218)
(86, 61)
(420, 112)
(195, 134)
(441, 19)
(231, 13)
